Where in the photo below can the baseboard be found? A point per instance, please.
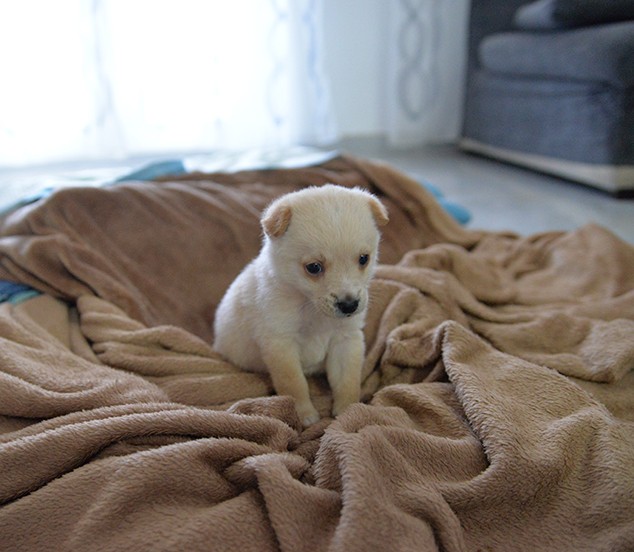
(615, 179)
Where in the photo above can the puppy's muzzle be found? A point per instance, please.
(347, 306)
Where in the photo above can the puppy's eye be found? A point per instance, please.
(364, 259)
(314, 268)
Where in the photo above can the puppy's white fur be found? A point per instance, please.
(299, 307)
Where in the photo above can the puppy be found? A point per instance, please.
(299, 307)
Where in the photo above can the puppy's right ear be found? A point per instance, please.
(276, 220)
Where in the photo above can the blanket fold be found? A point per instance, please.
(498, 391)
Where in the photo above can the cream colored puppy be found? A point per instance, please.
(299, 307)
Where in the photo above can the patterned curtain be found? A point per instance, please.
(425, 70)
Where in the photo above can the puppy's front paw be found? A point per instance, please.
(307, 414)
(340, 405)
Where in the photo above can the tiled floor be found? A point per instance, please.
(504, 197)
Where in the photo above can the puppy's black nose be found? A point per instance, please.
(347, 306)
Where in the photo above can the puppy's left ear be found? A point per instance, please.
(379, 212)
(276, 219)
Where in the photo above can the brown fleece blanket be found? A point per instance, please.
(498, 388)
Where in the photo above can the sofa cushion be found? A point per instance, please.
(581, 122)
(598, 54)
(562, 14)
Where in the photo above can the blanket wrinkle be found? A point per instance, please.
(570, 257)
(498, 390)
(572, 345)
(41, 379)
(50, 453)
(386, 352)
(617, 398)
(113, 495)
(555, 335)
(380, 467)
(304, 517)
(385, 299)
(573, 446)
(487, 281)
(183, 366)
(104, 323)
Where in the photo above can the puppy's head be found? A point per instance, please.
(323, 243)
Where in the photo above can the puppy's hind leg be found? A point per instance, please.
(343, 367)
(282, 360)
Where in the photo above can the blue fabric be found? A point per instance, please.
(15, 293)
(155, 170)
(27, 199)
(458, 212)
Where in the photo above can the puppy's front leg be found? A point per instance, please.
(285, 368)
(343, 367)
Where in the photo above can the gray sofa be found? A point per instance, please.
(550, 86)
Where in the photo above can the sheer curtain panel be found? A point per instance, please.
(95, 79)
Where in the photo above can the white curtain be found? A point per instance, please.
(102, 79)
(99, 79)
(426, 57)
